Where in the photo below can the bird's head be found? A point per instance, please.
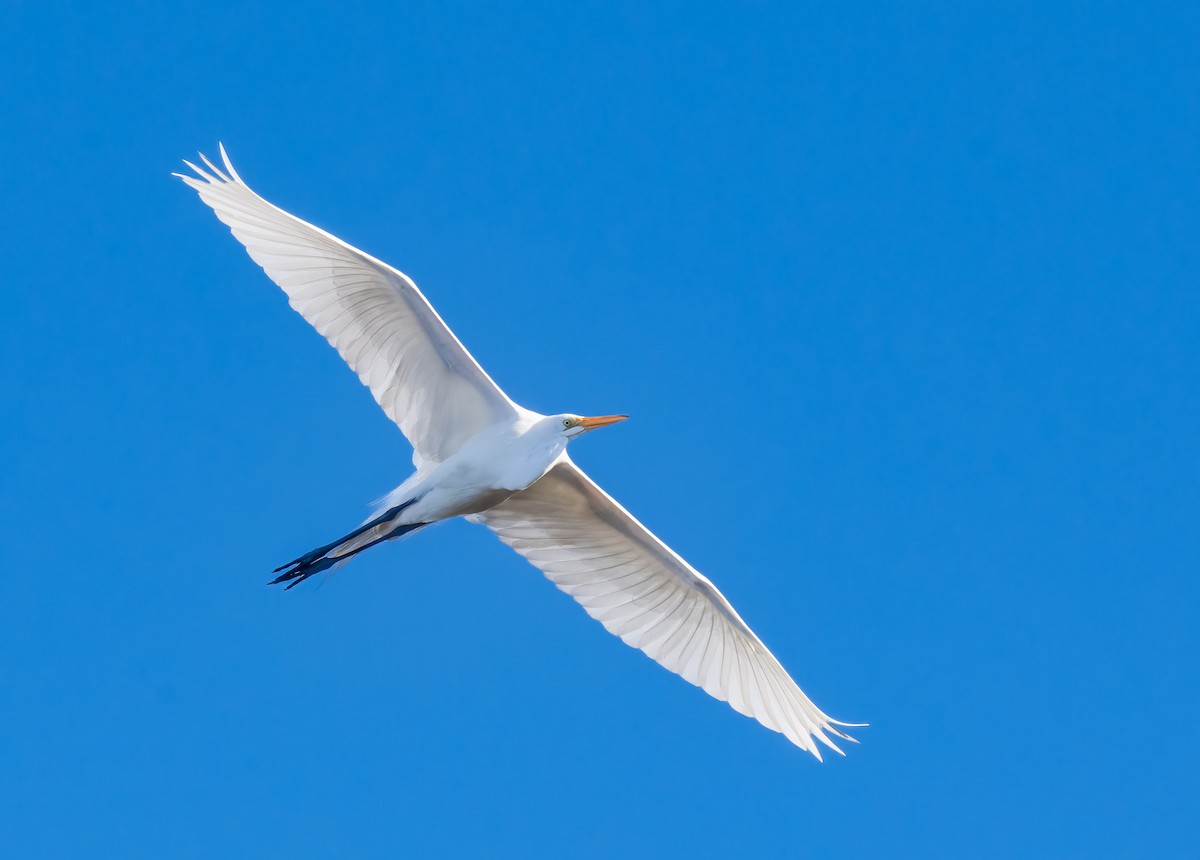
(576, 425)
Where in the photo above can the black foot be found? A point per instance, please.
(303, 568)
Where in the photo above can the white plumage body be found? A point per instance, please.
(490, 467)
(480, 455)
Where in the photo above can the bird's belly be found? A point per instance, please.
(465, 489)
(442, 503)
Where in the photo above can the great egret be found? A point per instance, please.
(481, 456)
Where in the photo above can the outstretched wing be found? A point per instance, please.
(389, 334)
(633, 584)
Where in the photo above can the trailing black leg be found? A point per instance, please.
(299, 569)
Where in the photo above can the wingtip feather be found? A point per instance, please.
(229, 164)
(213, 167)
(201, 173)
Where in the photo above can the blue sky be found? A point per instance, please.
(901, 298)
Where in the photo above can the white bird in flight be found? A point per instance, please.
(481, 456)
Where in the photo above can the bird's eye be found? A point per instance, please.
(566, 422)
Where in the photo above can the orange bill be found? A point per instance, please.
(601, 421)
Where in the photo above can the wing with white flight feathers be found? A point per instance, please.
(374, 315)
(640, 590)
